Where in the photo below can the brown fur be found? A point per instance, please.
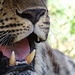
(16, 27)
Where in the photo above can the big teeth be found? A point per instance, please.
(30, 57)
(12, 59)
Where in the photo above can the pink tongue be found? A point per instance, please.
(21, 49)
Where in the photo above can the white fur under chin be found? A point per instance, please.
(44, 61)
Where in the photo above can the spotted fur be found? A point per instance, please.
(18, 20)
(15, 23)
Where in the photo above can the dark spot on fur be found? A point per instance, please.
(40, 25)
(4, 14)
(17, 30)
(9, 31)
(10, 25)
(1, 20)
(20, 29)
(17, 33)
(46, 28)
(18, 24)
(6, 19)
(20, 32)
(28, 27)
(56, 68)
(1, 9)
(48, 23)
(3, 23)
(50, 53)
(11, 18)
(24, 26)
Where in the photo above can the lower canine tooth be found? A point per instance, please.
(30, 57)
(12, 59)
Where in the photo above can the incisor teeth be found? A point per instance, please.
(30, 57)
(23, 62)
(12, 59)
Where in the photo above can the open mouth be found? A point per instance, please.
(19, 56)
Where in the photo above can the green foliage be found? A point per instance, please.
(72, 29)
(62, 29)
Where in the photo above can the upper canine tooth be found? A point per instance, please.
(12, 59)
(38, 39)
(30, 57)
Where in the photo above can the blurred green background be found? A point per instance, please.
(62, 29)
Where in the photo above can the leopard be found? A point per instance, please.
(24, 28)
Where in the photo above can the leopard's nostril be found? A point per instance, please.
(32, 14)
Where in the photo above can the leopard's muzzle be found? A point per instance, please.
(19, 62)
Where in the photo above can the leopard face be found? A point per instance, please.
(18, 19)
(23, 23)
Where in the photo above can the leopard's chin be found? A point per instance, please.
(19, 57)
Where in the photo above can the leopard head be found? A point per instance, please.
(23, 23)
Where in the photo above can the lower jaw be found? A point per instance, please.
(6, 69)
(28, 72)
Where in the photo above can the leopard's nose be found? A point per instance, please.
(32, 14)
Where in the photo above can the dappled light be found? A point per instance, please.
(62, 30)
